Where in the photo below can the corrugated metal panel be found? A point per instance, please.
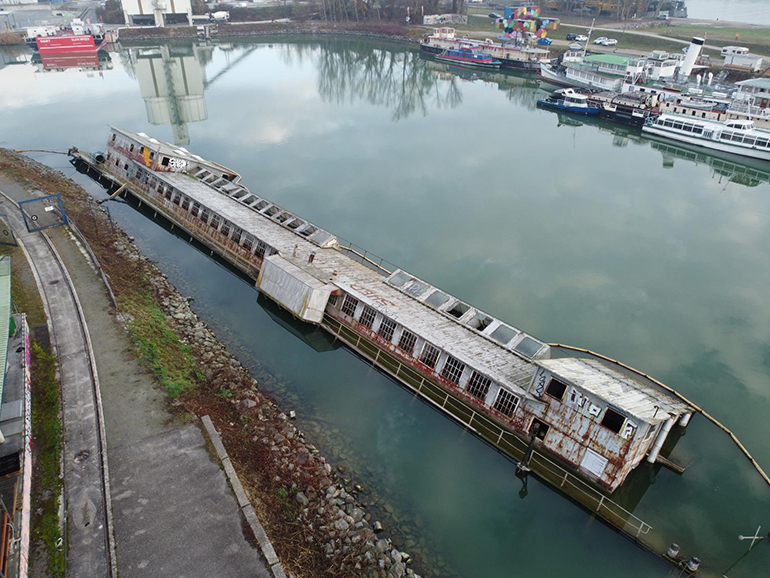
(301, 293)
(5, 313)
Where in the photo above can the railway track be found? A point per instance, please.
(89, 543)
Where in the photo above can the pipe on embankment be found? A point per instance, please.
(700, 410)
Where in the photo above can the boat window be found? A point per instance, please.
(749, 140)
(349, 305)
(504, 334)
(726, 135)
(761, 142)
(399, 279)
(416, 288)
(225, 230)
(678, 125)
(458, 309)
(177, 198)
(308, 231)
(195, 208)
(407, 341)
(387, 329)
(249, 200)
(429, 355)
(295, 223)
(204, 215)
(113, 136)
(480, 321)
(506, 402)
(261, 249)
(437, 298)
(320, 237)
(271, 211)
(737, 137)
(261, 205)
(131, 149)
(541, 427)
(612, 420)
(333, 300)
(452, 370)
(478, 385)
(282, 217)
(215, 220)
(236, 236)
(528, 346)
(248, 242)
(169, 194)
(367, 316)
(556, 389)
(697, 130)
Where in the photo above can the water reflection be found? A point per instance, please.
(172, 81)
(78, 62)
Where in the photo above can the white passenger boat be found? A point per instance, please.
(739, 137)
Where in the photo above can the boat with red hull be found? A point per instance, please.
(69, 44)
(468, 57)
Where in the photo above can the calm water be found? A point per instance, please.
(576, 232)
(751, 11)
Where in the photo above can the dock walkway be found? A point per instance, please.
(174, 513)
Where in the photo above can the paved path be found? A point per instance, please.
(86, 500)
(175, 515)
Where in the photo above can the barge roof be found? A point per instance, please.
(633, 394)
(508, 361)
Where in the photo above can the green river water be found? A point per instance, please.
(575, 231)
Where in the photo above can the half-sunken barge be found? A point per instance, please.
(593, 421)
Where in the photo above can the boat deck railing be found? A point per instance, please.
(374, 262)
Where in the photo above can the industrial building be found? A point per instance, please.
(157, 12)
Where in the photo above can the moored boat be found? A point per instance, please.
(510, 55)
(468, 57)
(738, 137)
(77, 37)
(567, 100)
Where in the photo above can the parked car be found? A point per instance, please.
(663, 16)
(600, 40)
(544, 41)
(494, 15)
(575, 46)
(581, 38)
(609, 42)
(572, 36)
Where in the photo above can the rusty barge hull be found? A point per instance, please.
(448, 381)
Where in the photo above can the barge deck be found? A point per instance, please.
(587, 423)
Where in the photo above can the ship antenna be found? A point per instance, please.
(590, 30)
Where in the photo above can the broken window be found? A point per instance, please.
(131, 148)
(333, 300)
(177, 198)
(407, 342)
(387, 329)
(349, 305)
(205, 215)
(225, 230)
(236, 236)
(480, 321)
(541, 427)
(556, 389)
(261, 249)
(164, 162)
(612, 420)
(367, 316)
(478, 385)
(248, 242)
(417, 288)
(169, 194)
(185, 203)
(506, 402)
(195, 208)
(429, 355)
(452, 370)
(437, 299)
(215, 220)
(458, 309)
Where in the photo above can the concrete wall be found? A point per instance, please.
(157, 9)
